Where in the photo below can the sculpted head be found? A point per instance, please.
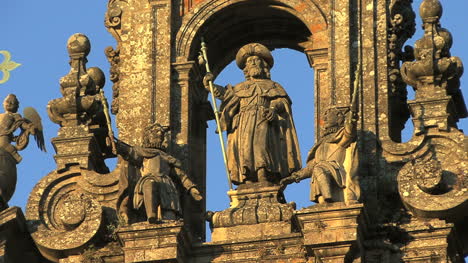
(255, 60)
(154, 136)
(11, 103)
(333, 119)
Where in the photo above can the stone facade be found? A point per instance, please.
(413, 199)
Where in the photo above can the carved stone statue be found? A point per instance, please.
(10, 121)
(257, 116)
(156, 188)
(332, 163)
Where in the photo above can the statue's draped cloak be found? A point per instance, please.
(253, 141)
(338, 153)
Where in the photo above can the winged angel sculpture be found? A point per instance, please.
(10, 122)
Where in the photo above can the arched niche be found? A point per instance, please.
(227, 25)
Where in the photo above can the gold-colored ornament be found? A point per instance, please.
(7, 65)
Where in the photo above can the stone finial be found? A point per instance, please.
(79, 87)
(78, 45)
(435, 75)
(80, 112)
(430, 11)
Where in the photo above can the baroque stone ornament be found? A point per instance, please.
(401, 27)
(114, 17)
(10, 122)
(159, 172)
(333, 162)
(80, 100)
(433, 181)
(257, 116)
(71, 208)
(114, 59)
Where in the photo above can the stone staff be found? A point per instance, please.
(204, 60)
(105, 105)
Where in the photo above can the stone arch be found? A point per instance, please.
(297, 24)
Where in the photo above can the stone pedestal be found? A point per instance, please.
(255, 212)
(333, 232)
(143, 242)
(16, 244)
(431, 240)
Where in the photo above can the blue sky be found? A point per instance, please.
(35, 32)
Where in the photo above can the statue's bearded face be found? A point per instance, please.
(332, 119)
(11, 104)
(154, 138)
(255, 67)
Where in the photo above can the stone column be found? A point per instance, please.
(188, 125)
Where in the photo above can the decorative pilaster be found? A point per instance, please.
(190, 105)
(318, 60)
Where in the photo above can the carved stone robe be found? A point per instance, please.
(157, 166)
(253, 141)
(336, 153)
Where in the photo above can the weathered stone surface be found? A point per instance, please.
(144, 242)
(252, 205)
(334, 232)
(415, 192)
(431, 240)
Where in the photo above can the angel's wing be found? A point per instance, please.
(31, 114)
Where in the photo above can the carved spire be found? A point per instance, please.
(435, 75)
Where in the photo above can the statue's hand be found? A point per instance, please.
(288, 180)
(206, 80)
(269, 114)
(196, 194)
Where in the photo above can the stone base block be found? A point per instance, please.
(145, 242)
(260, 231)
(333, 232)
(432, 240)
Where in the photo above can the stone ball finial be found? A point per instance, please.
(430, 10)
(98, 76)
(78, 44)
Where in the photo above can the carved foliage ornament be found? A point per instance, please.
(113, 56)
(401, 27)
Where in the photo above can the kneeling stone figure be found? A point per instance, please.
(333, 162)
